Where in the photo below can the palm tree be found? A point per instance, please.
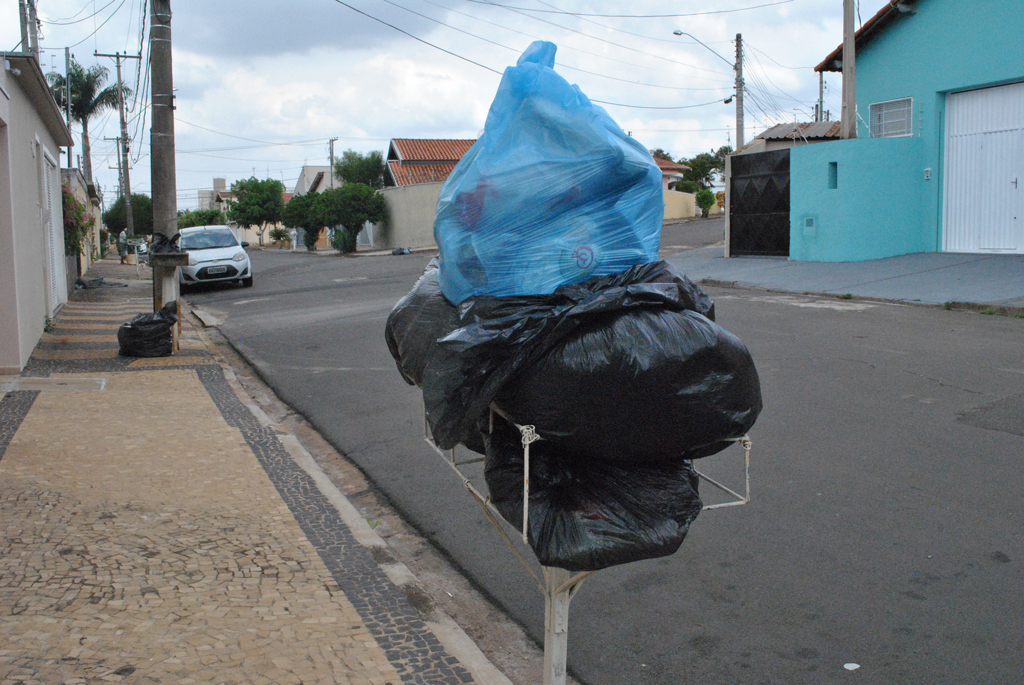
(88, 98)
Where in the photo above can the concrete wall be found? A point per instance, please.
(892, 210)
(679, 205)
(873, 211)
(411, 222)
(25, 141)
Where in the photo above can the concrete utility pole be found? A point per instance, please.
(332, 160)
(162, 169)
(127, 186)
(739, 91)
(821, 96)
(163, 173)
(848, 125)
(23, 16)
(33, 31)
(120, 175)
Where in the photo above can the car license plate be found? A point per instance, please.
(217, 269)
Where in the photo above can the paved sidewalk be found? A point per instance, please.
(156, 528)
(926, 278)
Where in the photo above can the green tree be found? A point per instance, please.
(688, 187)
(257, 203)
(88, 98)
(720, 154)
(347, 208)
(658, 153)
(200, 217)
(302, 212)
(355, 167)
(142, 215)
(705, 200)
(702, 169)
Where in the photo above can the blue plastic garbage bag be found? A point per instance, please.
(553, 192)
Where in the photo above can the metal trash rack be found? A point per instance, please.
(558, 585)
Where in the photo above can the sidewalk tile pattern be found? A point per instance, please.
(180, 559)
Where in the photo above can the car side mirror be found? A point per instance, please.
(245, 244)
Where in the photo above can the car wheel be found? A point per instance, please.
(247, 282)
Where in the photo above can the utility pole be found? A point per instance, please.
(821, 96)
(127, 184)
(23, 16)
(120, 174)
(848, 125)
(163, 172)
(331, 141)
(33, 32)
(67, 94)
(739, 91)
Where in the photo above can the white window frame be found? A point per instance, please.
(884, 127)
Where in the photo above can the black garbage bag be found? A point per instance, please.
(587, 515)
(92, 283)
(149, 335)
(639, 385)
(417, 322)
(164, 245)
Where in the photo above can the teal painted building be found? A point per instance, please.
(938, 164)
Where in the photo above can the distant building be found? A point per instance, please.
(787, 135)
(423, 160)
(671, 173)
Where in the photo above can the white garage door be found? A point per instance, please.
(983, 201)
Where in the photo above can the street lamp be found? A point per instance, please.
(736, 67)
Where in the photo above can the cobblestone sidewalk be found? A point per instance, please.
(155, 531)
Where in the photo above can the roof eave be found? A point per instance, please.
(33, 82)
(885, 16)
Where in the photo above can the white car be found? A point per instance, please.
(214, 255)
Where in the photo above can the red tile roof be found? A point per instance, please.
(892, 10)
(666, 165)
(428, 149)
(411, 174)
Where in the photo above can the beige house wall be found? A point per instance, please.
(26, 145)
(679, 205)
(411, 222)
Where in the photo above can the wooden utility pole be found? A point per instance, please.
(163, 173)
(127, 185)
(848, 127)
(739, 90)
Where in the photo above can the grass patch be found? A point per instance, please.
(847, 296)
(988, 311)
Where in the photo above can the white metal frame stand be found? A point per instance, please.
(558, 585)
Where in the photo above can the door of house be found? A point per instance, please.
(983, 197)
(759, 204)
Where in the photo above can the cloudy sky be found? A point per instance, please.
(263, 84)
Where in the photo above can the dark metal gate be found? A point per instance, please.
(759, 204)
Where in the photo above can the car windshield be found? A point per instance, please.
(204, 240)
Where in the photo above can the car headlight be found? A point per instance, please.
(192, 261)
(238, 257)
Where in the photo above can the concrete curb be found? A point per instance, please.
(451, 635)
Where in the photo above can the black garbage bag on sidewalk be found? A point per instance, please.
(149, 335)
(586, 515)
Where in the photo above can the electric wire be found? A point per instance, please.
(112, 14)
(514, 50)
(66, 21)
(635, 16)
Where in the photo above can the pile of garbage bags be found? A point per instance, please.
(617, 363)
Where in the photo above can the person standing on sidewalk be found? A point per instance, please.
(122, 245)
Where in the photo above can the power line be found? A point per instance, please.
(96, 30)
(514, 50)
(633, 16)
(436, 47)
(603, 40)
(67, 20)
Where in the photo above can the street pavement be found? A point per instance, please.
(158, 527)
(883, 533)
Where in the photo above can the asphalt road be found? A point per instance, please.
(886, 523)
